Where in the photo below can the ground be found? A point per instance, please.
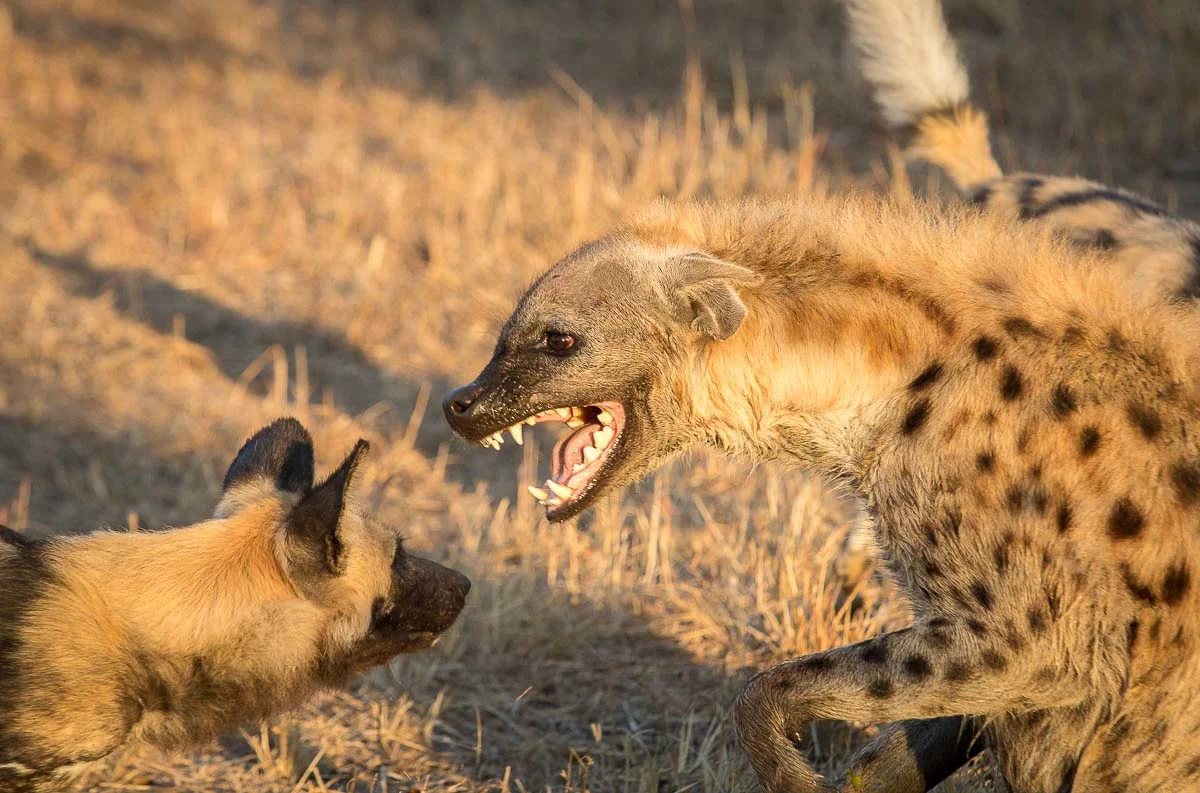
(213, 214)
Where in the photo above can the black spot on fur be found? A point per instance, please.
(1176, 583)
(1089, 441)
(937, 638)
(1193, 767)
(1191, 288)
(1125, 521)
(1000, 556)
(976, 627)
(927, 377)
(916, 417)
(957, 672)
(1104, 240)
(816, 663)
(931, 535)
(1185, 476)
(1096, 195)
(1145, 419)
(1037, 619)
(1062, 518)
(1026, 201)
(917, 668)
(1011, 386)
(985, 348)
(981, 197)
(1019, 326)
(1131, 634)
(880, 689)
(1138, 589)
(982, 595)
(939, 622)
(985, 462)
(994, 661)
(1014, 497)
(932, 570)
(874, 653)
(1062, 401)
(1073, 334)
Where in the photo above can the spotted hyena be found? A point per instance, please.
(1022, 426)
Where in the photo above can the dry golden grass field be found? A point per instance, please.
(214, 213)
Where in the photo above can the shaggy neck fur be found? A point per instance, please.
(858, 298)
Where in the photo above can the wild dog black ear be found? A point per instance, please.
(281, 452)
(314, 546)
(703, 290)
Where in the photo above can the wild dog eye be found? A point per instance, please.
(559, 342)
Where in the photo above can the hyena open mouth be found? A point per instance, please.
(581, 459)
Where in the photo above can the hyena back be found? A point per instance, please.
(1021, 425)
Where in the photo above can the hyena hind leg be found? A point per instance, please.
(913, 756)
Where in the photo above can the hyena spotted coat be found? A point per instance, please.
(1023, 427)
(171, 637)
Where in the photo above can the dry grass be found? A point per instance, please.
(213, 214)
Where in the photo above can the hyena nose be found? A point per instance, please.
(459, 402)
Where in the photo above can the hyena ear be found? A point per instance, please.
(281, 452)
(314, 546)
(703, 293)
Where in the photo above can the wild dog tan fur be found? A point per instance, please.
(1023, 427)
(171, 637)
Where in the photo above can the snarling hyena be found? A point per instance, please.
(169, 638)
(1022, 426)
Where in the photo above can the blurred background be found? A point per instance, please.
(214, 213)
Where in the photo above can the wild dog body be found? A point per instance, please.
(173, 637)
(1023, 428)
(920, 84)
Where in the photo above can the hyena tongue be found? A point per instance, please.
(568, 452)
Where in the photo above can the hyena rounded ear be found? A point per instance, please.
(704, 293)
(314, 546)
(281, 453)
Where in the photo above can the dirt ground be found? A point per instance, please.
(212, 214)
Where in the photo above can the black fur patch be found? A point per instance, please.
(976, 627)
(985, 462)
(1037, 619)
(1089, 441)
(1185, 477)
(917, 668)
(1000, 556)
(1176, 583)
(1095, 195)
(1138, 589)
(1063, 518)
(1019, 326)
(1191, 288)
(874, 652)
(1104, 240)
(1145, 419)
(916, 417)
(982, 595)
(1125, 521)
(985, 348)
(927, 377)
(981, 197)
(994, 661)
(1026, 202)
(1131, 634)
(881, 689)
(1062, 401)
(957, 672)
(817, 663)
(1011, 385)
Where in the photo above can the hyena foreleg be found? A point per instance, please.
(913, 756)
(933, 669)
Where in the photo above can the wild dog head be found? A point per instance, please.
(381, 600)
(596, 343)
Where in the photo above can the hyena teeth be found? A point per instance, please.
(538, 493)
(605, 418)
(591, 454)
(563, 413)
(562, 491)
(518, 434)
(602, 437)
(531, 420)
(575, 423)
(577, 468)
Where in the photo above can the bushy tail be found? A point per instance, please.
(919, 81)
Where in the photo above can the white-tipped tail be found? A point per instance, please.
(908, 57)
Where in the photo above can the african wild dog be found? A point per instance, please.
(171, 637)
(921, 86)
(1022, 426)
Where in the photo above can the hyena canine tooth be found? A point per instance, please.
(1022, 427)
(171, 637)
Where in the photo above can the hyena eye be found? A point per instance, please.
(559, 343)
